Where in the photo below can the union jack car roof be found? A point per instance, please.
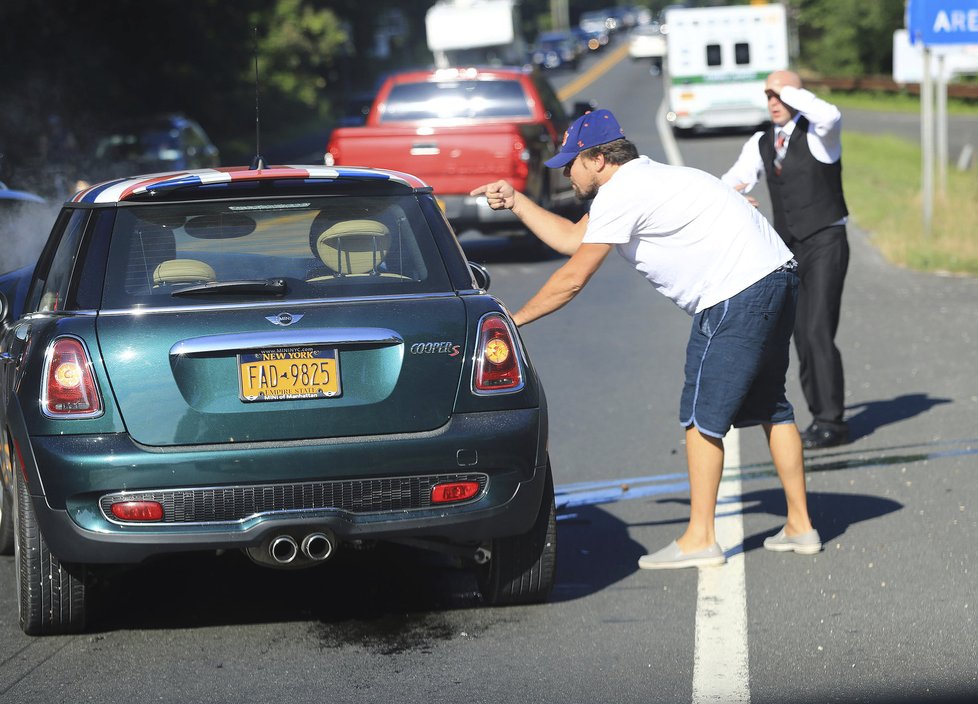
(122, 189)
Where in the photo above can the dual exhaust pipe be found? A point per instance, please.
(284, 549)
(287, 551)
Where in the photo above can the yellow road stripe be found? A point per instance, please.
(594, 73)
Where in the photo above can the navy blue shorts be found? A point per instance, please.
(737, 358)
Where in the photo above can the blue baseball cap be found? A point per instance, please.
(589, 130)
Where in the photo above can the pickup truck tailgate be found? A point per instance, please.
(452, 159)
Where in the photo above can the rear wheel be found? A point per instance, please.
(6, 522)
(51, 595)
(522, 568)
(6, 500)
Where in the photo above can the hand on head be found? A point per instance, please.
(779, 79)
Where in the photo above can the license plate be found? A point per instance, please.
(289, 374)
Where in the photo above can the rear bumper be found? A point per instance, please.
(473, 213)
(508, 447)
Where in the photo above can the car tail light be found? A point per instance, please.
(138, 511)
(452, 492)
(497, 367)
(69, 386)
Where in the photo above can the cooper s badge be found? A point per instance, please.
(449, 348)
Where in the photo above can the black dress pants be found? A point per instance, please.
(823, 259)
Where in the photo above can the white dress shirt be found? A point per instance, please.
(824, 137)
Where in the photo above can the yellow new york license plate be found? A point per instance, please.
(289, 374)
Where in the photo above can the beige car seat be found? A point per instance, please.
(352, 248)
(183, 271)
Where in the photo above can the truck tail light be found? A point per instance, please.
(69, 389)
(497, 367)
(521, 159)
(332, 155)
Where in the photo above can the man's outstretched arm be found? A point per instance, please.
(564, 284)
(557, 232)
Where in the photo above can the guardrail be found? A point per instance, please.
(882, 84)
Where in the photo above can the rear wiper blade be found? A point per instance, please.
(267, 286)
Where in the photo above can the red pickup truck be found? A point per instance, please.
(460, 128)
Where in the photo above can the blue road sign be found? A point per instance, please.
(943, 21)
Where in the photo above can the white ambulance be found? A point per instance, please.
(716, 63)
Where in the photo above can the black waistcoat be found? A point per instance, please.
(807, 196)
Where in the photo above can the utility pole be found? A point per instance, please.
(559, 16)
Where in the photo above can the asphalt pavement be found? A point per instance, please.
(886, 613)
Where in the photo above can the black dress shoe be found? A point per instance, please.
(817, 436)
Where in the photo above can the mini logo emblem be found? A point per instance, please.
(283, 319)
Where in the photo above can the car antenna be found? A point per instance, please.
(258, 162)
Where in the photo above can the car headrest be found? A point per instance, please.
(183, 271)
(353, 246)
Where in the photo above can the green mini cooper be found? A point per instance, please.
(279, 360)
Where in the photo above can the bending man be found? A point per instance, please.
(704, 247)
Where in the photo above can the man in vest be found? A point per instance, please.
(800, 156)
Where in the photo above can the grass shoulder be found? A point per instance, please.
(882, 181)
(893, 102)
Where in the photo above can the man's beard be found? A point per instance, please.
(585, 192)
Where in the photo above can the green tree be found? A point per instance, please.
(95, 63)
(847, 37)
(300, 49)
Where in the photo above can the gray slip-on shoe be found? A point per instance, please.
(672, 557)
(804, 543)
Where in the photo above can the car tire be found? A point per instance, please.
(522, 568)
(51, 596)
(534, 247)
(6, 522)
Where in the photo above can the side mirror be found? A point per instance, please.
(480, 275)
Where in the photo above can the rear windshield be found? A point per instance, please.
(456, 99)
(282, 249)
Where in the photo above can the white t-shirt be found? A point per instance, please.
(694, 238)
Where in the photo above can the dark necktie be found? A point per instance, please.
(780, 150)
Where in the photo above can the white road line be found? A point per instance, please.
(720, 664)
(720, 659)
(666, 137)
